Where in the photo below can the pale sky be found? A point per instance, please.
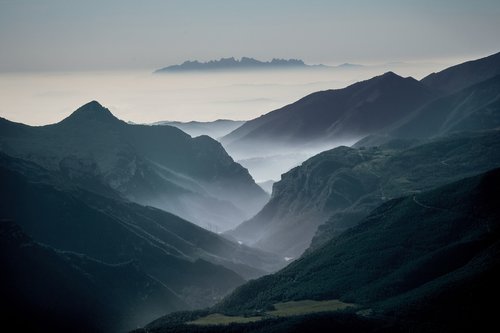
(61, 35)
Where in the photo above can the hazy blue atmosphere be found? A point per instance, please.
(249, 166)
(143, 97)
(57, 55)
(116, 34)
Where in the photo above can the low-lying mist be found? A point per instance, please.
(143, 97)
(267, 161)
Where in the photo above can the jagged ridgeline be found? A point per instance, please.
(231, 64)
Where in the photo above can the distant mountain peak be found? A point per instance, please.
(349, 65)
(92, 111)
(245, 63)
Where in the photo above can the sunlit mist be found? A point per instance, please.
(143, 97)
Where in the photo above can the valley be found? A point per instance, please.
(403, 223)
(362, 200)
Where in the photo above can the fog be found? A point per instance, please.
(143, 97)
(267, 161)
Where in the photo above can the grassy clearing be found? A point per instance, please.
(286, 309)
(220, 319)
(308, 306)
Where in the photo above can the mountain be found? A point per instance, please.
(458, 77)
(45, 289)
(415, 246)
(471, 109)
(331, 116)
(426, 262)
(334, 190)
(214, 129)
(160, 166)
(198, 265)
(347, 65)
(244, 63)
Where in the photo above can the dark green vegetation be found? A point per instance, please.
(401, 246)
(405, 229)
(425, 263)
(333, 115)
(52, 290)
(220, 319)
(286, 309)
(144, 244)
(342, 185)
(159, 166)
(319, 322)
(409, 225)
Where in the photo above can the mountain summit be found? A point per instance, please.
(332, 115)
(92, 111)
(159, 166)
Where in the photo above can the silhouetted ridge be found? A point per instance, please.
(389, 74)
(92, 111)
(389, 77)
(158, 166)
(464, 75)
(231, 63)
(360, 109)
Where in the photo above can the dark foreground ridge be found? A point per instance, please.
(433, 259)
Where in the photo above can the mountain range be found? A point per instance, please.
(244, 63)
(402, 227)
(59, 291)
(103, 224)
(283, 138)
(422, 263)
(336, 188)
(191, 266)
(377, 106)
(160, 166)
(334, 115)
(466, 108)
(432, 258)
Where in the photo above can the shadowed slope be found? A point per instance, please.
(155, 165)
